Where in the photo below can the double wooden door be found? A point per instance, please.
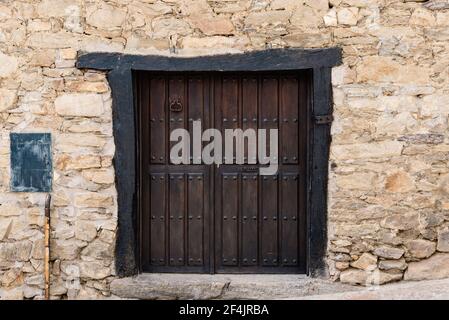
(222, 218)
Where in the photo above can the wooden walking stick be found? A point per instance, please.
(47, 247)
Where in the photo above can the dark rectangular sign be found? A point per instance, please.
(31, 162)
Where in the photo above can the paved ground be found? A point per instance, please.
(297, 287)
(413, 290)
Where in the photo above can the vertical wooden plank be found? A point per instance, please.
(196, 198)
(195, 112)
(157, 120)
(229, 239)
(289, 220)
(230, 108)
(177, 218)
(157, 218)
(289, 109)
(176, 95)
(230, 101)
(216, 247)
(143, 97)
(249, 108)
(322, 105)
(249, 220)
(269, 222)
(305, 100)
(218, 102)
(268, 119)
(125, 168)
(269, 101)
(195, 98)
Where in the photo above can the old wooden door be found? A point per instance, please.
(226, 218)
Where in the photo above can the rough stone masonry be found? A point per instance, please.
(389, 169)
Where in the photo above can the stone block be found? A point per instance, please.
(106, 17)
(81, 105)
(385, 69)
(366, 262)
(93, 200)
(420, 248)
(15, 251)
(388, 252)
(435, 267)
(8, 65)
(384, 149)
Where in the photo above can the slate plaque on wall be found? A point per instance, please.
(31, 162)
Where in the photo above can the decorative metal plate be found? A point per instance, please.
(31, 162)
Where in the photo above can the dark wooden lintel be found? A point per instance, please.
(266, 60)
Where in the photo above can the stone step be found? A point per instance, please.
(204, 286)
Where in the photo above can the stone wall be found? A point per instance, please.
(389, 173)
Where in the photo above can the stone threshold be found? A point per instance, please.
(223, 287)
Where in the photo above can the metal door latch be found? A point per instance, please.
(175, 105)
(324, 119)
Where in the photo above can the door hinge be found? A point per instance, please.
(328, 118)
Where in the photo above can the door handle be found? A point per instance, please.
(175, 105)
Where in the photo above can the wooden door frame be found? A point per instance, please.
(120, 67)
